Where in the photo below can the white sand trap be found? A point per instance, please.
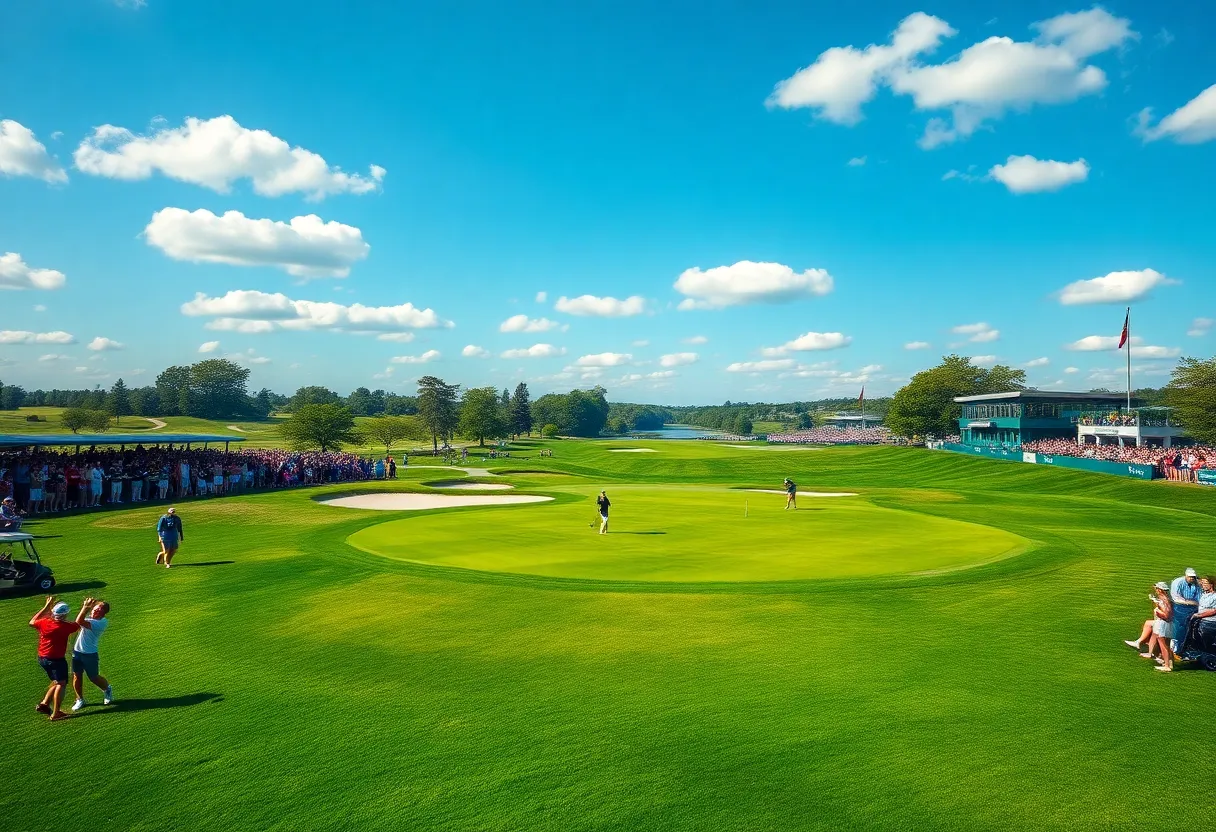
(470, 486)
(632, 451)
(806, 493)
(420, 502)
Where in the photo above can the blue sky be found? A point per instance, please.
(764, 203)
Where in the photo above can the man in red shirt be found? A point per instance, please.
(54, 630)
(72, 475)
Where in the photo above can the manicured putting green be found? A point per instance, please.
(675, 534)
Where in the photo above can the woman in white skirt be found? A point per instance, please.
(1163, 625)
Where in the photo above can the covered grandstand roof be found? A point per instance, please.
(1014, 395)
(25, 440)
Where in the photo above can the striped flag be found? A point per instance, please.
(1126, 323)
(861, 400)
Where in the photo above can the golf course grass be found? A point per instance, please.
(942, 651)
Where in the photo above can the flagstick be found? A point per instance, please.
(1129, 360)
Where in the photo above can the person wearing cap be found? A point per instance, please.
(85, 660)
(10, 517)
(1163, 625)
(1184, 592)
(169, 532)
(791, 494)
(54, 630)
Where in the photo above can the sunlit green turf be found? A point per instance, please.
(283, 679)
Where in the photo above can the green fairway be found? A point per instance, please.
(942, 651)
(684, 534)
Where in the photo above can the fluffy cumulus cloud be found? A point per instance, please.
(536, 351)
(16, 274)
(21, 336)
(522, 323)
(1116, 287)
(396, 337)
(678, 359)
(100, 344)
(596, 307)
(215, 153)
(766, 366)
(1192, 123)
(1200, 327)
(980, 84)
(1028, 175)
(21, 154)
(426, 357)
(978, 333)
(209, 346)
(917, 345)
(1038, 362)
(983, 360)
(809, 342)
(696, 340)
(305, 247)
(474, 351)
(604, 359)
(251, 311)
(746, 282)
(1104, 343)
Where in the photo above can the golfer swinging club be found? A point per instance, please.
(791, 494)
(601, 502)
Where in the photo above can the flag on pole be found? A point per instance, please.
(1126, 322)
(861, 400)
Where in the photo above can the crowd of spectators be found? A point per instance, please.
(1178, 464)
(43, 481)
(833, 435)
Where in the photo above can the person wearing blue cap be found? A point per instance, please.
(54, 630)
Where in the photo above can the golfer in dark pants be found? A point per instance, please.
(601, 502)
(54, 630)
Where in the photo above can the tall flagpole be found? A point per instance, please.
(1129, 360)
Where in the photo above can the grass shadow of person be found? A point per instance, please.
(134, 705)
(612, 532)
(205, 563)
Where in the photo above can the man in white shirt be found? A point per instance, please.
(85, 661)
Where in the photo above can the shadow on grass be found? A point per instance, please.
(134, 705)
(637, 532)
(205, 563)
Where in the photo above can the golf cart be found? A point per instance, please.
(20, 566)
(1199, 644)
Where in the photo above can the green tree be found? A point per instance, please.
(11, 397)
(481, 415)
(75, 419)
(588, 411)
(314, 395)
(521, 411)
(925, 405)
(743, 425)
(118, 402)
(99, 421)
(386, 430)
(1192, 394)
(324, 426)
(805, 422)
(438, 407)
(173, 390)
(145, 402)
(218, 389)
(550, 431)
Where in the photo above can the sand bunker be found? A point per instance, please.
(805, 493)
(420, 502)
(457, 485)
(632, 451)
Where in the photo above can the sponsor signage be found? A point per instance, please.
(979, 424)
(1032, 458)
(1206, 476)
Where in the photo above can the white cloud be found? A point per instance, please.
(20, 336)
(678, 359)
(249, 356)
(809, 342)
(980, 84)
(429, 355)
(917, 345)
(1192, 123)
(1028, 175)
(251, 311)
(983, 360)
(215, 153)
(1155, 352)
(306, 247)
(1116, 287)
(592, 306)
(16, 274)
(1200, 327)
(38, 307)
(100, 344)
(1071, 370)
(209, 346)
(396, 337)
(474, 351)
(604, 359)
(768, 366)
(522, 323)
(536, 351)
(541, 297)
(696, 340)
(857, 161)
(978, 333)
(641, 343)
(1037, 362)
(54, 357)
(23, 155)
(746, 282)
(1098, 343)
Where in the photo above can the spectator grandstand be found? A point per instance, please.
(834, 435)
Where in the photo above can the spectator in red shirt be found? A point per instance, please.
(72, 475)
(54, 630)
